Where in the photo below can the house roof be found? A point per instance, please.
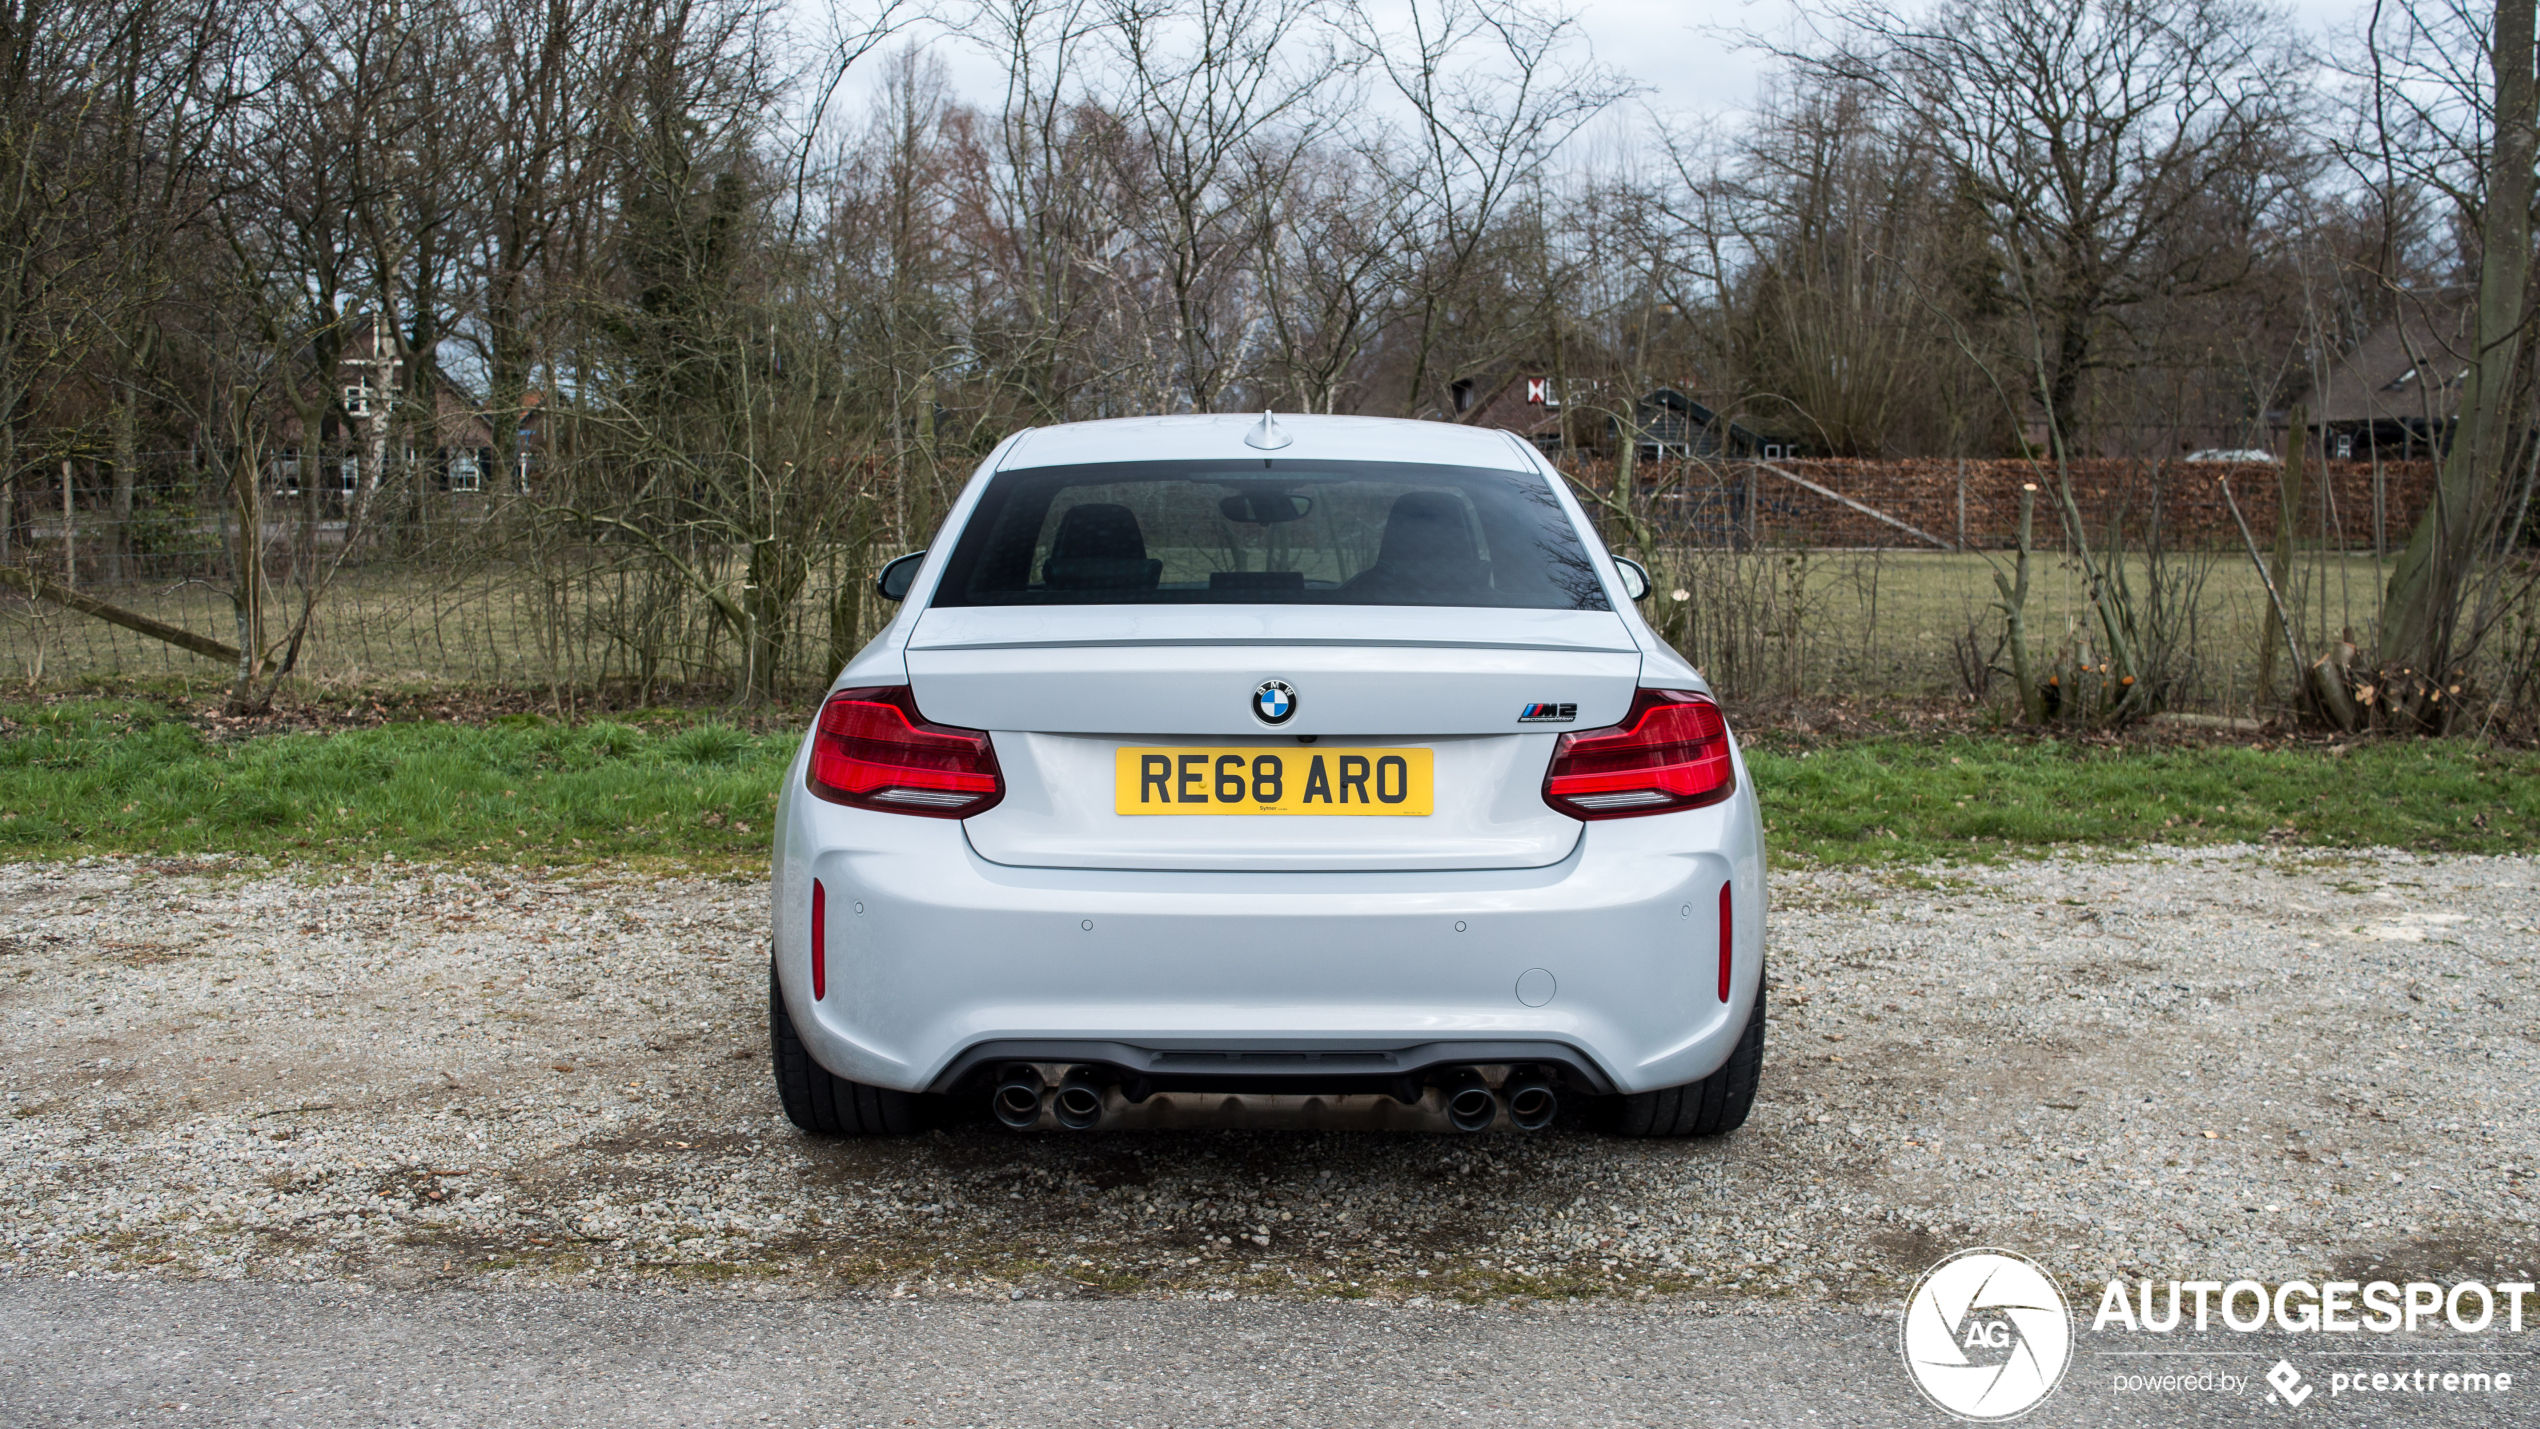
(1695, 412)
(2409, 368)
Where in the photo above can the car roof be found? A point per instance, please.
(1218, 435)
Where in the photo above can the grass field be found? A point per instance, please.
(399, 626)
(1882, 622)
(1858, 623)
(105, 776)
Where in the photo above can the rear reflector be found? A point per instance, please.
(820, 942)
(875, 751)
(1726, 938)
(1671, 752)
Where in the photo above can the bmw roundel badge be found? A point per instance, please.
(1274, 701)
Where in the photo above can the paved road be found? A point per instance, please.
(212, 1353)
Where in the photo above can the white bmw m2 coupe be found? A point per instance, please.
(1271, 755)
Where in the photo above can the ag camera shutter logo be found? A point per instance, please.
(1987, 1335)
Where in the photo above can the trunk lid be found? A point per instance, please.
(1062, 690)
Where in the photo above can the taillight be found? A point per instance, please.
(875, 751)
(1671, 752)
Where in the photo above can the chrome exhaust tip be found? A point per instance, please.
(1532, 1103)
(1469, 1103)
(1017, 1099)
(1078, 1103)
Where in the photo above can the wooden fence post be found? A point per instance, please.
(70, 532)
(2289, 499)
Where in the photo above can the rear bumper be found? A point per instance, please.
(940, 962)
(1295, 1066)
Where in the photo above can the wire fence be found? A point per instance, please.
(493, 597)
(1800, 580)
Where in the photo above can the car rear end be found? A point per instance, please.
(1333, 767)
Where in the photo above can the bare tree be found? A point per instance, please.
(1848, 220)
(1323, 267)
(2084, 135)
(2454, 109)
(53, 277)
(1494, 91)
(1223, 100)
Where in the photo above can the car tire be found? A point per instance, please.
(1716, 1104)
(828, 1105)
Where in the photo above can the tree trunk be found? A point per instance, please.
(359, 500)
(36, 587)
(2289, 496)
(764, 596)
(247, 578)
(2063, 387)
(419, 484)
(1962, 506)
(2418, 619)
(124, 422)
(2014, 607)
(1627, 477)
(126, 439)
(846, 597)
(922, 514)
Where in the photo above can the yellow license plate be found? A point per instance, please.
(1292, 779)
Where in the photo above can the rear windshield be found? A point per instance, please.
(1270, 532)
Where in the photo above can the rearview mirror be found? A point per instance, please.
(899, 575)
(1635, 577)
(1260, 507)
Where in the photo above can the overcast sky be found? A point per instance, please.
(1685, 52)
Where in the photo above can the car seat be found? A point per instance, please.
(1098, 546)
(1427, 552)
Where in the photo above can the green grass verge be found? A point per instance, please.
(1887, 800)
(126, 777)
(109, 776)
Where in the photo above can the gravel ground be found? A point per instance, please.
(2217, 1062)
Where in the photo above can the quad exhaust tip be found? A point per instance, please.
(1470, 1106)
(1532, 1103)
(1078, 1103)
(1018, 1098)
(1020, 1094)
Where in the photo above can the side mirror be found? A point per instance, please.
(1635, 577)
(899, 575)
